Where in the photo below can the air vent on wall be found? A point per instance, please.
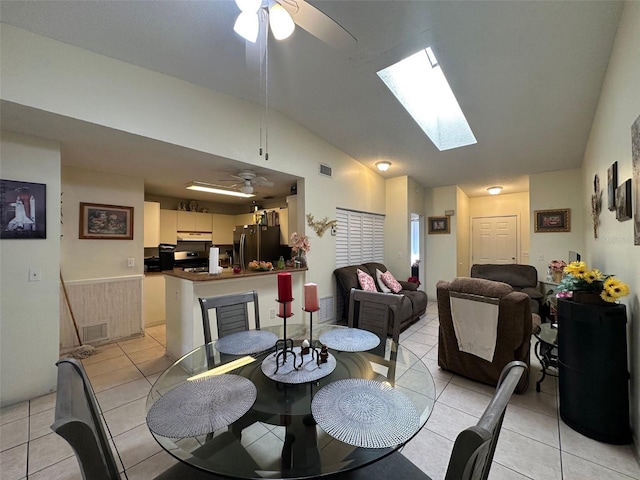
(94, 332)
(327, 309)
(325, 170)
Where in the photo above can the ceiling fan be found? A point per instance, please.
(283, 16)
(248, 180)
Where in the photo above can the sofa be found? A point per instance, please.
(512, 334)
(411, 308)
(522, 278)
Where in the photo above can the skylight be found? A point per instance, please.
(420, 86)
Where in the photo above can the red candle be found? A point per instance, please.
(282, 310)
(284, 287)
(310, 297)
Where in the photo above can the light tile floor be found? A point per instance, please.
(534, 442)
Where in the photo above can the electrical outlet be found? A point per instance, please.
(272, 313)
(35, 274)
(131, 262)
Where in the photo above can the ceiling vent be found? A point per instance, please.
(325, 170)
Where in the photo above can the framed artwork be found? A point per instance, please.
(553, 220)
(110, 222)
(623, 201)
(23, 210)
(635, 155)
(439, 225)
(612, 184)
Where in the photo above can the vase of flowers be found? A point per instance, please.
(556, 267)
(300, 247)
(592, 286)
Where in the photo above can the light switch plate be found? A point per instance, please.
(35, 274)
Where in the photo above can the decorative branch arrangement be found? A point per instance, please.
(596, 205)
(320, 226)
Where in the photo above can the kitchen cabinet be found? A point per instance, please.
(168, 226)
(194, 222)
(223, 226)
(151, 224)
(245, 219)
(292, 223)
(284, 226)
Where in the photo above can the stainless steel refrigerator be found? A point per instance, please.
(255, 242)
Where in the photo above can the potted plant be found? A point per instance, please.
(592, 286)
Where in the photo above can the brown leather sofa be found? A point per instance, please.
(515, 324)
(413, 306)
(523, 278)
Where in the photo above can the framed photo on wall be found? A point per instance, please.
(612, 185)
(439, 225)
(23, 209)
(553, 220)
(623, 201)
(111, 222)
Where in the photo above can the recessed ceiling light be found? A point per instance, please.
(383, 166)
(209, 188)
(494, 190)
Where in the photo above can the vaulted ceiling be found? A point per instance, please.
(527, 75)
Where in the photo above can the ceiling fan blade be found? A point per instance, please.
(318, 24)
(262, 181)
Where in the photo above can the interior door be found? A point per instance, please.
(494, 240)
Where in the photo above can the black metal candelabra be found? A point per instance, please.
(285, 343)
(313, 351)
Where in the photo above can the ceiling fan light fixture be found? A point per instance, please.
(247, 189)
(247, 26)
(494, 190)
(249, 5)
(280, 22)
(207, 187)
(383, 166)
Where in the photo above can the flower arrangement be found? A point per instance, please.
(300, 243)
(579, 278)
(557, 265)
(414, 280)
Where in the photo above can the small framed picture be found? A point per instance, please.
(439, 225)
(623, 201)
(553, 220)
(111, 222)
(23, 210)
(612, 185)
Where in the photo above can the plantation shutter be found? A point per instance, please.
(360, 238)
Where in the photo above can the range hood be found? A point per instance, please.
(194, 237)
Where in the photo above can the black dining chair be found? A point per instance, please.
(77, 420)
(232, 313)
(473, 449)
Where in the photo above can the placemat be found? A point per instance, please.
(350, 339)
(365, 413)
(309, 372)
(201, 406)
(245, 343)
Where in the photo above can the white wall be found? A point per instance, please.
(463, 237)
(29, 330)
(441, 252)
(552, 190)
(610, 140)
(397, 246)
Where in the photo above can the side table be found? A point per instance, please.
(546, 351)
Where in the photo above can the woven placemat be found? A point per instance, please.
(308, 372)
(350, 340)
(201, 406)
(245, 343)
(365, 413)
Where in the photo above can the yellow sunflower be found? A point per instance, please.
(592, 275)
(614, 289)
(577, 269)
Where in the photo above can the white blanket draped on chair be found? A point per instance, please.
(475, 321)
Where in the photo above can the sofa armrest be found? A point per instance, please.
(408, 285)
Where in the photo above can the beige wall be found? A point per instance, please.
(610, 141)
(397, 246)
(463, 237)
(29, 326)
(441, 254)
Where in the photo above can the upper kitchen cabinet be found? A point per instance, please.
(168, 226)
(151, 224)
(284, 226)
(194, 222)
(245, 219)
(223, 226)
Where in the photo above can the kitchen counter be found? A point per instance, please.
(227, 274)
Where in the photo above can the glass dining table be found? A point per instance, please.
(276, 414)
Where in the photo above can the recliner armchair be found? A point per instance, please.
(522, 278)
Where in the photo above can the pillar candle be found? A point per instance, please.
(284, 287)
(310, 297)
(214, 255)
(282, 310)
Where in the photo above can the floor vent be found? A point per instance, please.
(325, 170)
(93, 333)
(327, 309)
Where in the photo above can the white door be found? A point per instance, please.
(495, 240)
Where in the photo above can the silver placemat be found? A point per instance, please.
(245, 343)
(309, 372)
(365, 413)
(201, 406)
(350, 339)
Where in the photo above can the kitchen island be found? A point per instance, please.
(182, 290)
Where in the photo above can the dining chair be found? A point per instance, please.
(232, 313)
(77, 420)
(473, 449)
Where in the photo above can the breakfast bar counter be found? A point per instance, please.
(182, 290)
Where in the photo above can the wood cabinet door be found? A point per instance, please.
(223, 226)
(168, 226)
(151, 224)
(203, 222)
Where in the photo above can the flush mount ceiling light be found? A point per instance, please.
(383, 166)
(248, 22)
(210, 188)
(494, 190)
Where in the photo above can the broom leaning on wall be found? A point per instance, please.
(83, 351)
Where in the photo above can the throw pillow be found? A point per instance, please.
(391, 282)
(366, 281)
(381, 284)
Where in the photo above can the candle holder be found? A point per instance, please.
(313, 350)
(285, 343)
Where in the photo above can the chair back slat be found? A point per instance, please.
(232, 313)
